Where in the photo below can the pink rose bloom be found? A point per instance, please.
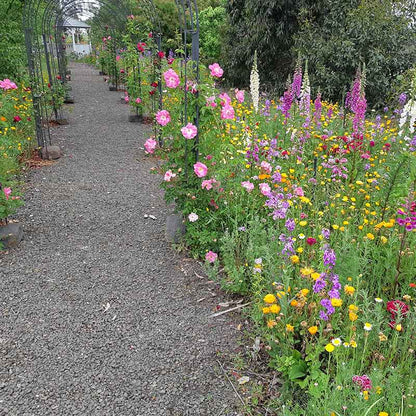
(150, 145)
(227, 112)
(265, 189)
(189, 131)
(163, 117)
(118, 57)
(225, 99)
(169, 175)
(207, 184)
(138, 100)
(192, 217)
(126, 98)
(299, 191)
(266, 166)
(6, 84)
(211, 256)
(211, 101)
(239, 94)
(200, 169)
(7, 192)
(171, 78)
(248, 186)
(216, 70)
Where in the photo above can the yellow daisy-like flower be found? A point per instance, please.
(294, 259)
(269, 298)
(383, 414)
(349, 290)
(271, 323)
(353, 344)
(315, 275)
(370, 236)
(313, 330)
(306, 271)
(304, 292)
(336, 342)
(294, 303)
(274, 308)
(329, 347)
(266, 310)
(398, 327)
(353, 308)
(336, 302)
(289, 328)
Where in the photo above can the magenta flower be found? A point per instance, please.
(150, 145)
(118, 57)
(211, 101)
(266, 166)
(227, 112)
(6, 84)
(239, 94)
(248, 186)
(171, 78)
(163, 117)
(138, 100)
(168, 176)
(189, 131)
(7, 192)
(126, 98)
(210, 257)
(207, 184)
(200, 169)
(216, 70)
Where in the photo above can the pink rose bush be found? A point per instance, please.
(150, 145)
(200, 169)
(168, 176)
(6, 84)
(163, 117)
(216, 70)
(189, 131)
(227, 112)
(171, 78)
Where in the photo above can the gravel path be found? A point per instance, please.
(98, 315)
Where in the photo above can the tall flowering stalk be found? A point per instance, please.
(305, 94)
(356, 102)
(408, 115)
(255, 84)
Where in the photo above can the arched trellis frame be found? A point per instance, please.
(44, 29)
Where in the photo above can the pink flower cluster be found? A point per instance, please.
(6, 84)
(210, 257)
(363, 381)
(239, 94)
(7, 192)
(208, 183)
(171, 78)
(168, 176)
(407, 215)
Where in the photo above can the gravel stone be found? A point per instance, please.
(99, 316)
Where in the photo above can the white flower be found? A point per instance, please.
(336, 342)
(378, 300)
(255, 84)
(192, 217)
(368, 327)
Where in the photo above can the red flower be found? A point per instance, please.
(16, 119)
(170, 61)
(412, 285)
(161, 54)
(150, 35)
(311, 241)
(396, 307)
(154, 84)
(58, 77)
(152, 92)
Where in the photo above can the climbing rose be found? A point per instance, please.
(192, 217)
(200, 169)
(216, 70)
(6, 84)
(7, 192)
(225, 99)
(163, 117)
(126, 98)
(227, 112)
(161, 54)
(169, 175)
(211, 101)
(171, 78)
(211, 256)
(141, 46)
(239, 94)
(150, 145)
(189, 131)
(138, 100)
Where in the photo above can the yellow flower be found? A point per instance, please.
(266, 310)
(269, 298)
(349, 290)
(294, 303)
(353, 344)
(382, 337)
(365, 395)
(352, 316)
(370, 236)
(303, 223)
(336, 302)
(336, 342)
(315, 275)
(353, 308)
(289, 328)
(398, 327)
(274, 308)
(294, 259)
(329, 347)
(304, 292)
(271, 323)
(313, 330)
(383, 414)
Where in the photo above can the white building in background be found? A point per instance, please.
(77, 30)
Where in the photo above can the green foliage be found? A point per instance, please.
(212, 26)
(12, 46)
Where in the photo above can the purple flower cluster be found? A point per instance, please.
(363, 381)
(318, 109)
(336, 165)
(407, 215)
